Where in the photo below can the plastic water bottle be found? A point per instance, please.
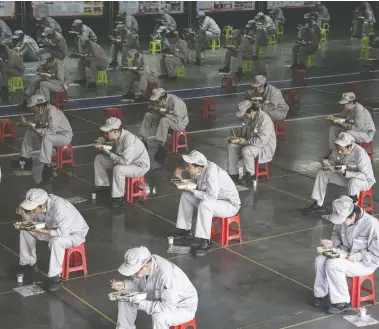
(240, 172)
(22, 165)
(147, 189)
(154, 191)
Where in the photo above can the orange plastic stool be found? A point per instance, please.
(61, 98)
(149, 89)
(259, 171)
(133, 188)
(209, 107)
(300, 77)
(176, 145)
(366, 206)
(356, 286)
(293, 98)
(280, 127)
(368, 67)
(7, 129)
(191, 323)
(223, 232)
(229, 84)
(369, 149)
(75, 251)
(113, 112)
(61, 156)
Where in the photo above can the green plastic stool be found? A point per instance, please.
(365, 53)
(176, 33)
(310, 61)
(15, 83)
(261, 51)
(272, 40)
(325, 26)
(216, 44)
(155, 46)
(323, 35)
(226, 32)
(364, 42)
(247, 65)
(180, 71)
(280, 31)
(136, 36)
(102, 78)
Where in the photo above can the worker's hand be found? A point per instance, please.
(19, 210)
(352, 258)
(339, 171)
(100, 140)
(241, 141)
(23, 119)
(99, 146)
(41, 230)
(326, 243)
(117, 285)
(329, 117)
(162, 110)
(178, 173)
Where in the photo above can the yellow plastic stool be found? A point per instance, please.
(364, 42)
(280, 31)
(101, 77)
(365, 53)
(15, 83)
(323, 35)
(216, 44)
(309, 62)
(180, 71)
(247, 65)
(261, 51)
(226, 32)
(155, 46)
(325, 26)
(272, 40)
(176, 33)
(136, 36)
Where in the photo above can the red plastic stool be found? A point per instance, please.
(61, 98)
(149, 89)
(368, 67)
(7, 129)
(209, 107)
(191, 323)
(222, 233)
(369, 149)
(300, 77)
(366, 206)
(371, 110)
(61, 157)
(259, 171)
(229, 84)
(75, 251)
(356, 286)
(133, 188)
(280, 127)
(113, 112)
(293, 98)
(176, 145)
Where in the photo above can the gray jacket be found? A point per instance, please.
(211, 26)
(5, 32)
(131, 24)
(28, 41)
(168, 22)
(180, 50)
(144, 66)
(86, 31)
(323, 12)
(58, 42)
(129, 150)
(51, 22)
(59, 72)
(358, 119)
(96, 53)
(278, 14)
(14, 61)
(176, 110)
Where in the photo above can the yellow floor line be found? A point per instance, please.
(310, 321)
(6, 292)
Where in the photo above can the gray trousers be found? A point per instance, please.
(142, 78)
(331, 277)
(127, 315)
(87, 69)
(360, 136)
(6, 73)
(278, 23)
(234, 60)
(202, 42)
(54, 51)
(117, 47)
(247, 153)
(47, 143)
(104, 166)
(323, 178)
(155, 124)
(57, 247)
(275, 114)
(206, 210)
(29, 54)
(300, 53)
(46, 87)
(168, 64)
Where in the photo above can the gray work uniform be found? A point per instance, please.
(175, 118)
(359, 174)
(208, 31)
(128, 41)
(216, 195)
(171, 297)
(169, 22)
(96, 60)
(55, 131)
(278, 17)
(323, 15)
(258, 38)
(146, 73)
(68, 230)
(11, 67)
(58, 82)
(312, 36)
(268, 26)
(243, 50)
(361, 26)
(273, 103)
(131, 23)
(360, 239)
(5, 33)
(129, 158)
(86, 31)
(179, 56)
(359, 124)
(29, 49)
(260, 144)
(56, 46)
(51, 22)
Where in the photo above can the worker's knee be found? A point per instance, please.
(118, 171)
(165, 121)
(159, 318)
(354, 184)
(320, 261)
(333, 264)
(206, 205)
(56, 242)
(186, 196)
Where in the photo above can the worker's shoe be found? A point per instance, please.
(314, 209)
(354, 198)
(225, 69)
(249, 178)
(92, 85)
(301, 66)
(321, 302)
(339, 308)
(23, 163)
(163, 76)
(180, 233)
(117, 203)
(235, 178)
(4, 94)
(47, 172)
(27, 269)
(239, 73)
(80, 81)
(113, 64)
(198, 62)
(54, 283)
(204, 247)
(128, 96)
(160, 153)
(294, 65)
(23, 105)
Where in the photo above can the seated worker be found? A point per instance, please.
(52, 76)
(322, 13)
(27, 46)
(364, 20)
(163, 20)
(127, 158)
(64, 228)
(356, 233)
(93, 59)
(11, 66)
(43, 22)
(124, 41)
(80, 30)
(277, 16)
(238, 49)
(256, 140)
(49, 128)
(273, 102)
(176, 54)
(127, 20)
(137, 68)
(306, 43)
(54, 44)
(5, 34)
(207, 31)
(171, 297)
(267, 23)
(349, 165)
(257, 36)
(169, 113)
(357, 121)
(215, 196)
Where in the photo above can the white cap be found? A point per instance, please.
(44, 57)
(244, 106)
(111, 124)
(77, 22)
(258, 80)
(200, 14)
(17, 34)
(347, 98)
(162, 29)
(134, 260)
(157, 93)
(131, 54)
(34, 198)
(36, 100)
(47, 31)
(344, 139)
(342, 208)
(195, 157)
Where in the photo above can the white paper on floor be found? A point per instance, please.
(181, 250)
(22, 172)
(77, 199)
(30, 290)
(361, 322)
(241, 188)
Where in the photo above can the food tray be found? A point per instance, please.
(127, 297)
(331, 252)
(105, 147)
(28, 226)
(184, 184)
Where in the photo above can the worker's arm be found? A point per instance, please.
(212, 186)
(370, 256)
